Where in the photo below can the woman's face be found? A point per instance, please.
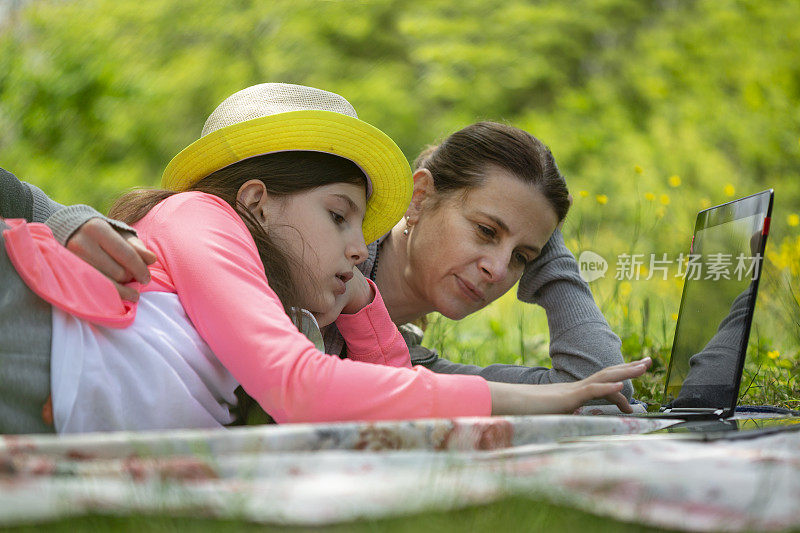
(321, 228)
(469, 250)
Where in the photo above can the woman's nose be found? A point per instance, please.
(495, 269)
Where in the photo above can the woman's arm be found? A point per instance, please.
(19, 199)
(581, 341)
(109, 245)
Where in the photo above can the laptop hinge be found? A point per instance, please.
(710, 410)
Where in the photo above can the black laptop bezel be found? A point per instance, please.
(701, 223)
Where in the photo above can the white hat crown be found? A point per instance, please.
(268, 99)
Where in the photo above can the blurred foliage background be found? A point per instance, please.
(653, 109)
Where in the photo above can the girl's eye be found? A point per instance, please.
(337, 218)
(486, 231)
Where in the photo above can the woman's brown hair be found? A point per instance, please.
(459, 163)
(283, 173)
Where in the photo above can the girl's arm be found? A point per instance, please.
(370, 334)
(208, 255)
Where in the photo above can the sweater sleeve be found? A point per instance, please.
(16, 199)
(19, 199)
(206, 251)
(372, 337)
(581, 341)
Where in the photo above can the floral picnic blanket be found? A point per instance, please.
(324, 474)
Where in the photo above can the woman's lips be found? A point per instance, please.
(469, 290)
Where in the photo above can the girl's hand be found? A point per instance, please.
(358, 294)
(120, 256)
(512, 399)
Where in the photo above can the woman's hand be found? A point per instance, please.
(513, 399)
(120, 256)
(358, 294)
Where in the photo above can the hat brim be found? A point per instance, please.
(321, 131)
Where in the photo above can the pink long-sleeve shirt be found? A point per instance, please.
(207, 257)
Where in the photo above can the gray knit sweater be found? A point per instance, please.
(23, 200)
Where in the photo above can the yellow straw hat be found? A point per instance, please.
(279, 117)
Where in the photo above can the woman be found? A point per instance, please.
(486, 165)
(484, 213)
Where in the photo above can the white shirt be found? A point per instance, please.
(156, 374)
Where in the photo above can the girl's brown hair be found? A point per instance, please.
(459, 163)
(283, 173)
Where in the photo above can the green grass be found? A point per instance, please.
(509, 515)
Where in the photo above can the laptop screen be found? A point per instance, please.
(720, 281)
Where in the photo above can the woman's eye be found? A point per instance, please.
(486, 231)
(339, 219)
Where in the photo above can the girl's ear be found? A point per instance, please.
(253, 195)
(421, 196)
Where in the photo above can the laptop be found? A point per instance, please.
(721, 277)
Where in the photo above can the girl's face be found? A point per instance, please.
(321, 228)
(468, 250)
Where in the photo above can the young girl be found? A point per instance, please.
(484, 202)
(279, 187)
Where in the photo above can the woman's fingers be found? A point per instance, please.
(621, 372)
(87, 248)
(146, 255)
(120, 257)
(608, 391)
(126, 293)
(130, 253)
(620, 401)
(607, 383)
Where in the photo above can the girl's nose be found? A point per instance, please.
(357, 249)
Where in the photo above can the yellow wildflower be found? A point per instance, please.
(674, 181)
(625, 288)
(674, 316)
(773, 354)
(793, 219)
(638, 169)
(664, 199)
(705, 203)
(729, 190)
(649, 196)
(583, 194)
(787, 255)
(660, 212)
(602, 199)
